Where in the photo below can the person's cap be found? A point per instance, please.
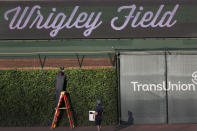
(98, 102)
(61, 67)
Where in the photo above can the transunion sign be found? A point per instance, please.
(129, 19)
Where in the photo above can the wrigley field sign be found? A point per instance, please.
(98, 19)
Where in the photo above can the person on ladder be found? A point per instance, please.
(60, 82)
(60, 97)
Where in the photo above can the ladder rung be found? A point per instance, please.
(63, 108)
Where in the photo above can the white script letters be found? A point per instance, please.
(55, 22)
(148, 19)
(128, 16)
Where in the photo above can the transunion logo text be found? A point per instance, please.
(166, 86)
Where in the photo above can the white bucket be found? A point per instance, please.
(91, 116)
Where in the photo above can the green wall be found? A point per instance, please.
(27, 97)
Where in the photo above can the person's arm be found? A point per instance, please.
(95, 114)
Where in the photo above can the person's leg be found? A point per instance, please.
(97, 125)
(57, 97)
(98, 128)
(100, 125)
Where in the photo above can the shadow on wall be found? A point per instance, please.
(130, 119)
(124, 124)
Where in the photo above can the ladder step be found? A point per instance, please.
(63, 108)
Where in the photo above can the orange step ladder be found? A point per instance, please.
(62, 96)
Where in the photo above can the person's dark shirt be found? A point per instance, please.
(60, 78)
(99, 110)
(60, 82)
